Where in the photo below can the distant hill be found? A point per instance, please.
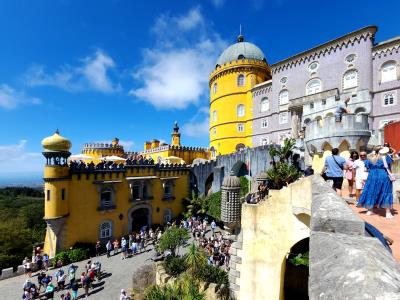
(33, 180)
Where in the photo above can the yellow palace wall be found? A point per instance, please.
(226, 99)
(82, 200)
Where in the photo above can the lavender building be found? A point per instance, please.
(305, 89)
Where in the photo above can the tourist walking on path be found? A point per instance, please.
(108, 248)
(98, 248)
(359, 174)
(349, 172)
(213, 226)
(123, 295)
(116, 246)
(378, 189)
(333, 170)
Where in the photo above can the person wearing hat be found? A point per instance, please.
(378, 189)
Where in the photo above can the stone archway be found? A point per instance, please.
(139, 216)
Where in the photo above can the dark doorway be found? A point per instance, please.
(240, 169)
(139, 218)
(208, 183)
(296, 277)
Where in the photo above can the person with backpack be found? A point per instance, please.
(71, 274)
(74, 290)
(333, 170)
(50, 291)
(86, 283)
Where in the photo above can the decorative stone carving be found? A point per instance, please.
(230, 202)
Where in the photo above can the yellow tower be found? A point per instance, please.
(56, 186)
(176, 136)
(240, 67)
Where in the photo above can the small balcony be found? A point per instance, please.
(353, 129)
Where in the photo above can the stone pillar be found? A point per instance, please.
(230, 202)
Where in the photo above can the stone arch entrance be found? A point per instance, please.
(139, 216)
(296, 277)
(240, 169)
(208, 184)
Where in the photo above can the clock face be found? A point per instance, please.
(313, 66)
(350, 58)
(283, 80)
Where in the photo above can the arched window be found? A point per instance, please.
(105, 230)
(350, 79)
(215, 88)
(214, 130)
(388, 99)
(313, 86)
(284, 97)
(106, 198)
(240, 110)
(389, 71)
(214, 116)
(167, 215)
(264, 141)
(306, 121)
(264, 104)
(240, 80)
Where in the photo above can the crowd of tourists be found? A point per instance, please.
(63, 279)
(369, 177)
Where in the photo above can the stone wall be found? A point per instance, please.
(344, 263)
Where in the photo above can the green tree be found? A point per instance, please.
(195, 259)
(172, 238)
(282, 171)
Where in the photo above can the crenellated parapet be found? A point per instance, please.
(237, 66)
(98, 149)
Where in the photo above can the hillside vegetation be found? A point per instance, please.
(21, 223)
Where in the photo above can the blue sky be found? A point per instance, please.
(100, 69)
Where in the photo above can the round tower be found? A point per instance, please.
(240, 67)
(56, 175)
(230, 202)
(176, 136)
(56, 178)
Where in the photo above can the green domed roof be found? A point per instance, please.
(240, 50)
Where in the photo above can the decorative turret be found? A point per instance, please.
(56, 149)
(176, 136)
(230, 202)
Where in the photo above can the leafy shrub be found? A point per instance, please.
(78, 254)
(63, 257)
(172, 238)
(244, 186)
(212, 274)
(90, 247)
(174, 265)
(300, 259)
(214, 205)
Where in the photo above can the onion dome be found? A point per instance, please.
(56, 143)
(241, 50)
(231, 181)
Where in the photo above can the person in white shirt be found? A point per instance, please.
(359, 173)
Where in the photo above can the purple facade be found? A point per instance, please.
(310, 84)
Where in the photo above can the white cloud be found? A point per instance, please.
(16, 158)
(217, 3)
(92, 73)
(175, 72)
(11, 98)
(198, 126)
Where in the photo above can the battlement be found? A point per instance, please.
(239, 63)
(171, 147)
(83, 168)
(96, 146)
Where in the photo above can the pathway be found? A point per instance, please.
(118, 275)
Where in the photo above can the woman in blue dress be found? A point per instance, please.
(378, 190)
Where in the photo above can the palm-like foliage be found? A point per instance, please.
(195, 259)
(282, 172)
(172, 238)
(195, 206)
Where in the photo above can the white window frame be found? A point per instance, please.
(283, 97)
(313, 90)
(214, 131)
(264, 105)
(240, 81)
(104, 204)
(349, 83)
(264, 141)
(240, 127)
(215, 88)
(240, 110)
(214, 116)
(283, 117)
(264, 123)
(103, 232)
(392, 76)
(393, 94)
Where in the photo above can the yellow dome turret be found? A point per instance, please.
(56, 142)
